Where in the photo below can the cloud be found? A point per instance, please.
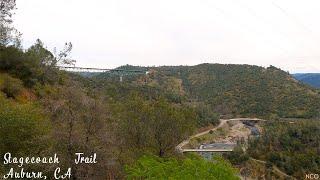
(146, 32)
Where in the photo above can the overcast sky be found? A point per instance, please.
(110, 33)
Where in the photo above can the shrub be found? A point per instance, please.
(10, 86)
(191, 167)
(23, 126)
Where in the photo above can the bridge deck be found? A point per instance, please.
(207, 150)
(89, 69)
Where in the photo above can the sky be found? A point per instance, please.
(110, 33)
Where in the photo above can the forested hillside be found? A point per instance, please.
(46, 111)
(134, 123)
(312, 79)
(292, 147)
(238, 90)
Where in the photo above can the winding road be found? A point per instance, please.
(180, 149)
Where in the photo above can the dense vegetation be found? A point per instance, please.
(238, 90)
(44, 110)
(312, 79)
(192, 167)
(60, 113)
(292, 147)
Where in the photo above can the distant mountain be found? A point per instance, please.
(312, 79)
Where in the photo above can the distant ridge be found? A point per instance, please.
(229, 89)
(312, 79)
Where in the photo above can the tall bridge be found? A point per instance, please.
(89, 69)
(120, 72)
(207, 150)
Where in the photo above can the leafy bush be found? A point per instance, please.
(10, 86)
(192, 167)
(23, 127)
(206, 115)
(238, 156)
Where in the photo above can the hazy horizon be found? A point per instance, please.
(108, 34)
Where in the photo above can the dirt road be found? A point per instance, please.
(222, 122)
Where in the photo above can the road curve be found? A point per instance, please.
(222, 122)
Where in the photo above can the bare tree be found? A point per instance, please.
(80, 121)
(8, 34)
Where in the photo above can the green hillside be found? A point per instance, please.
(130, 124)
(241, 90)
